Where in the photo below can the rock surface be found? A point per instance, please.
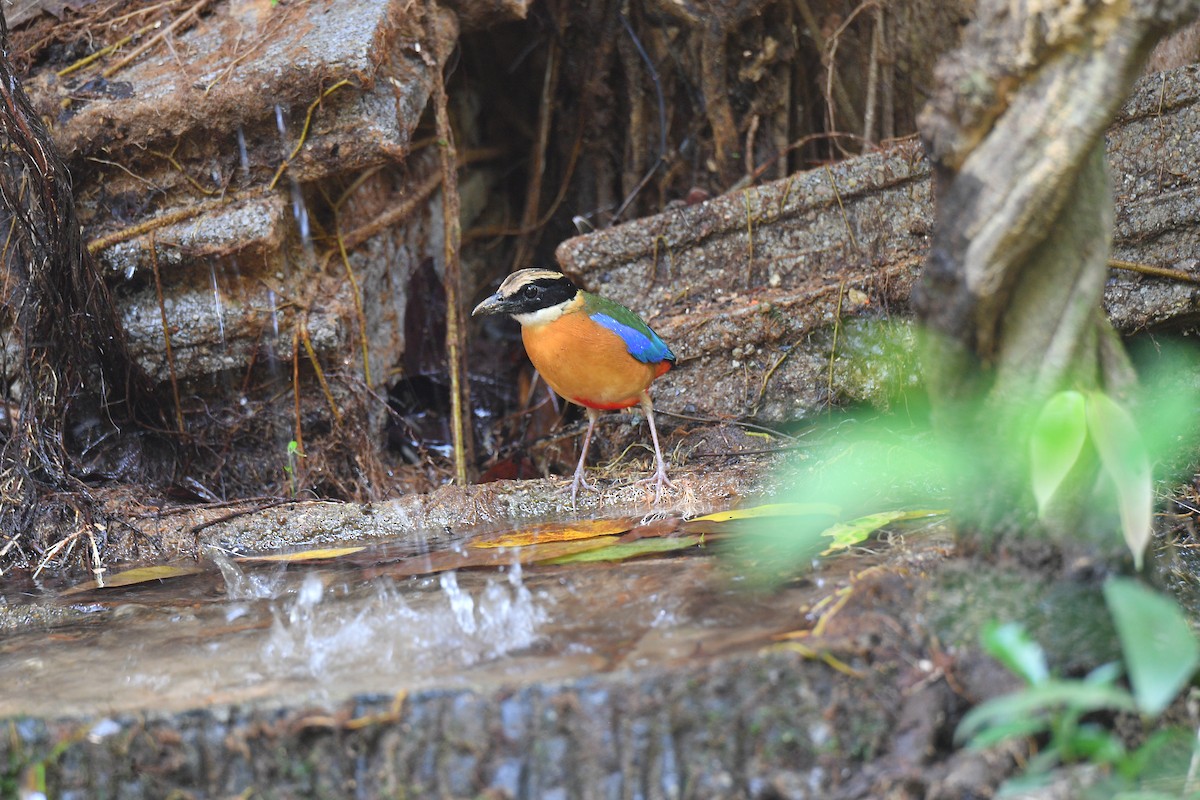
(758, 290)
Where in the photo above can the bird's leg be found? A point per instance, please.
(593, 415)
(659, 479)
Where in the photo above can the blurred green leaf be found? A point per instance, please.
(1161, 652)
(1011, 646)
(1125, 460)
(1059, 433)
(1050, 695)
(1094, 743)
(1010, 729)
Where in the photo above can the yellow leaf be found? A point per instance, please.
(848, 534)
(132, 577)
(559, 532)
(772, 510)
(320, 554)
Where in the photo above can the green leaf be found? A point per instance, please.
(1050, 695)
(1160, 649)
(1010, 729)
(856, 531)
(1124, 458)
(1094, 744)
(624, 550)
(1056, 442)
(1011, 646)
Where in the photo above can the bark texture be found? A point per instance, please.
(1012, 287)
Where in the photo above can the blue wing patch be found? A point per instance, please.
(645, 346)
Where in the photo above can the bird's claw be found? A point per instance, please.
(577, 483)
(658, 480)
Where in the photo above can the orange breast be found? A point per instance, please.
(587, 363)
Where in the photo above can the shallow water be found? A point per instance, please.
(326, 630)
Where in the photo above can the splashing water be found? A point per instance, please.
(239, 585)
(445, 629)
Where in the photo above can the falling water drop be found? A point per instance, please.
(282, 126)
(274, 312)
(217, 306)
(300, 212)
(243, 155)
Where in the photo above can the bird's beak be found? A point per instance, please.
(492, 305)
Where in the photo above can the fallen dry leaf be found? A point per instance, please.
(558, 532)
(132, 577)
(320, 554)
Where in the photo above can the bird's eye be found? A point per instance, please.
(531, 291)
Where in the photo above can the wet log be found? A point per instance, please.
(760, 290)
(694, 706)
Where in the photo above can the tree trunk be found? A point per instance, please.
(1011, 291)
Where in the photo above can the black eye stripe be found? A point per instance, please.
(540, 292)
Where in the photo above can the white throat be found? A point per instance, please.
(544, 316)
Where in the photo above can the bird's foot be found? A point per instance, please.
(658, 480)
(580, 482)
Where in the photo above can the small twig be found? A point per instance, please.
(195, 530)
(842, 208)
(460, 403)
(298, 434)
(873, 78)
(308, 117)
(101, 53)
(1157, 272)
(418, 194)
(124, 169)
(831, 54)
(762, 391)
(662, 118)
(312, 357)
(718, 421)
(835, 91)
(97, 565)
(161, 221)
(57, 547)
(190, 14)
(837, 328)
(749, 234)
(768, 451)
(170, 159)
(751, 132)
(12, 542)
(358, 306)
(670, 259)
